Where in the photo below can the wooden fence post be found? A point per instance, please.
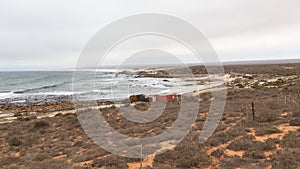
(253, 111)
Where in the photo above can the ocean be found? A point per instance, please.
(38, 87)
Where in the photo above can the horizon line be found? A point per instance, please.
(225, 63)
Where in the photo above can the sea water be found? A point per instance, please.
(54, 86)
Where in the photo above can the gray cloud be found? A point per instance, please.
(51, 34)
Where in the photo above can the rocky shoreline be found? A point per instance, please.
(237, 78)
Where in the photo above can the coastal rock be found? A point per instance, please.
(156, 74)
(139, 98)
(127, 72)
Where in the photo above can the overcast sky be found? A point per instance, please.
(51, 34)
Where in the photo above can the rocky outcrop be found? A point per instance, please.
(157, 74)
(139, 98)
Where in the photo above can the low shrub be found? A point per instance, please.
(30, 139)
(13, 140)
(142, 106)
(40, 124)
(233, 162)
(27, 118)
(218, 139)
(191, 155)
(295, 122)
(296, 113)
(58, 115)
(18, 114)
(240, 144)
(254, 154)
(81, 158)
(41, 157)
(162, 166)
(6, 161)
(291, 140)
(247, 143)
(287, 159)
(269, 144)
(267, 116)
(233, 114)
(275, 140)
(89, 155)
(224, 137)
(221, 127)
(185, 155)
(48, 164)
(217, 153)
(110, 161)
(269, 129)
(275, 104)
(237, 131)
